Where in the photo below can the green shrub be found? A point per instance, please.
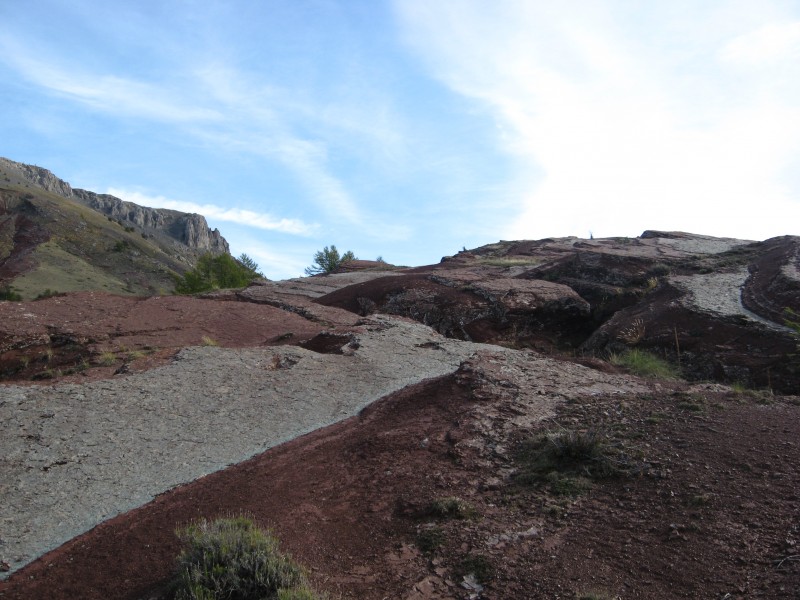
(231, 558)
(328, 260)
(429, 539)
(7, 293)
(217, 272)
(451, 508)
(645, 364)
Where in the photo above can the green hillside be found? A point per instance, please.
(49, 242)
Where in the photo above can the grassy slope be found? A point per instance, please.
(86, 251)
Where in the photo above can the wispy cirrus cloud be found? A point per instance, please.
(108, 93)
(249, 218)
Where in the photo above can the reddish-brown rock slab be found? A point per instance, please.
(66, 333)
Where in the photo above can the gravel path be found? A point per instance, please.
(73, 456)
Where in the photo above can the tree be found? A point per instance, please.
(217, 272)
(249, 263)
(328, 260)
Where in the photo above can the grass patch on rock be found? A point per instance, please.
(645, 364)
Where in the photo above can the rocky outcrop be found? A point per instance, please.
(38, 176)
(714, 307)
(191, 230)
(773, 284)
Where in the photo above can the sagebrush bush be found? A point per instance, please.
(232, 558)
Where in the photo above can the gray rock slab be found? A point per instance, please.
(721, 294)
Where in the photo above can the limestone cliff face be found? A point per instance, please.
(191, 230)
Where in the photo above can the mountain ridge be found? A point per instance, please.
(56, 238)
(188, 228)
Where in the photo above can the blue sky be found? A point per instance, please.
(411, 129)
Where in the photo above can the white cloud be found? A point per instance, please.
(608, 136)
(211, 211)
(768, 44)
(277, 264)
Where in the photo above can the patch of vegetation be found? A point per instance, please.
(59, 269)
(107, 359)
(78, 368)
(429, 539)
(655, 418)
(46, 374)
(48, 293)
(699, 500)
(568, 485)
(739, 388)
(209, 341)
(759, 396)
(8, 293)
(644, 364)
(217, 272)
(328, 260)
(451, 508)
(478, 566)
(510, 261)
(568, 461)
(232, 558)
(690, 402)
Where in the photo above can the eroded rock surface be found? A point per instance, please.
(714, 307)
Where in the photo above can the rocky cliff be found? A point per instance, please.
(191, 230)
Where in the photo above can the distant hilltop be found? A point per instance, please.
(187, 228)
(56, 238)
